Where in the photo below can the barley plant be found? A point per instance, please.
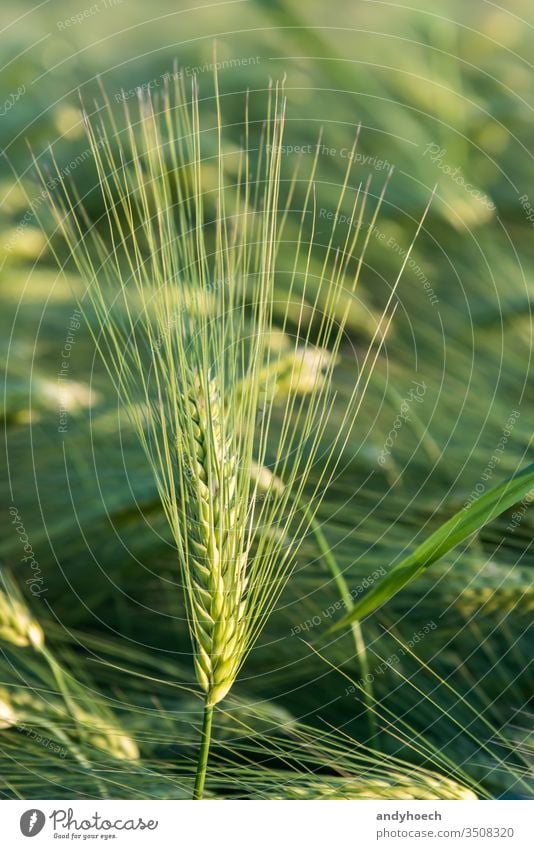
(17, 626)
(182, 310)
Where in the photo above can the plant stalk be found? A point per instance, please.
(198, 791)
(357, 634)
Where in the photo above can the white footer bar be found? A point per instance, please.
(269, 824)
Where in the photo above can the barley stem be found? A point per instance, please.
(198, 792)
(70, 704)
(359, 641)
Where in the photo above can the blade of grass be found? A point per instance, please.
(466, 522)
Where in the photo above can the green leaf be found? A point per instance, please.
(466, 522)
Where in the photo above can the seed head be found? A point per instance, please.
(16, 624)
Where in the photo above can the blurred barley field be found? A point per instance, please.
(441, 704)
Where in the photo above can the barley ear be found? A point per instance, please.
(16, 623)
(217, 566)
